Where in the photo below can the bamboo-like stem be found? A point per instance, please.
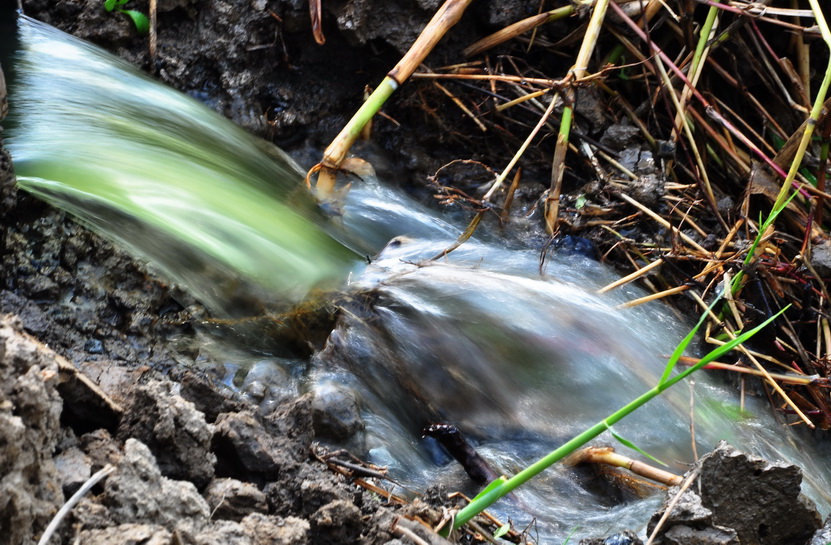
(608, 456)
(802, 380)
(578, 71)
(653, 297)
(445, 18)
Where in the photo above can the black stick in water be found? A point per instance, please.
(457, 446)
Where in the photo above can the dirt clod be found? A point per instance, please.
(137, 492)
(230, 499)
(743, 499)
(174, 430)
(244, 450)
(127, 534)
(30, 408)
(338, 522)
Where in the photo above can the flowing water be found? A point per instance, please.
(519, 360)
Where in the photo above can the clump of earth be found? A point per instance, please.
(90, 375)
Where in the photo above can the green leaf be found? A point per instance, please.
(631, 445)
(496, 483)
(682, 346)
(109, 5)
(580, 202)
(139, 19)
(502, 530)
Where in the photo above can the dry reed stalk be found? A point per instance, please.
(445, 18)
(758, 365)
(578, 71)
(608, 456)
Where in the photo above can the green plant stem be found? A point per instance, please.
(782, 200)
(353, 128)
(815, 110)
(703, 38)
(497, 490)
(578, 71)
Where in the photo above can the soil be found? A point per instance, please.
(192, 463)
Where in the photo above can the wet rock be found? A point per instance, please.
(620, 136)
(30, 408)
(137, 492)
(591, 108)
(503, 13)
(335, 413)
(175, 431)
(74, 468)
(823, 535)
(265, 385)
(743, 499)
(338, 522)
(821, 258)
(647, 189)
(127, 534)
(230, 499)
(361, 21)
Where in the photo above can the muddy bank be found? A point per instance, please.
(245, 478)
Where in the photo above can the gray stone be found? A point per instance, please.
(335, 413)
(821, 258)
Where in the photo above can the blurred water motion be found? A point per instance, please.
(171, 180)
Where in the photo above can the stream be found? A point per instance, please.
(519, 358)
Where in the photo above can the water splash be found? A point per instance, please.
(171, 180)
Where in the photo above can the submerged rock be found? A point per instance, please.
(738, 499)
